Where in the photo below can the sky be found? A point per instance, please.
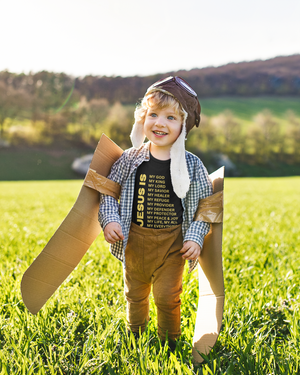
(137, 37)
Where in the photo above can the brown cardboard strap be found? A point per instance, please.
(102, 184)
(210, 209)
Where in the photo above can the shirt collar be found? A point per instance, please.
(145, 152)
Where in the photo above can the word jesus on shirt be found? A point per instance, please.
(155, 204)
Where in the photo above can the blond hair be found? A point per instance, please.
(157, 100)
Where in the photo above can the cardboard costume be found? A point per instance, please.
(81, 227)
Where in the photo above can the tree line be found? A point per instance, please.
(45, 91)
(51, 106)
(266, 140)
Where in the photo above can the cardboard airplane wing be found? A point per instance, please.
(76, 233)
(211, 282)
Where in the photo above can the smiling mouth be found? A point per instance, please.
(159, 133)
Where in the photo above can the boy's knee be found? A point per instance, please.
(166, 297)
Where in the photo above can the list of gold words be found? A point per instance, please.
(155, 207)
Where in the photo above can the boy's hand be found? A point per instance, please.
(113, 232)
(191, 250)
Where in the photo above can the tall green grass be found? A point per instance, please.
(81, 329)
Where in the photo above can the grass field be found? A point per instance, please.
(78, 330)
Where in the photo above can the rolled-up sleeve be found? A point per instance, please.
(197, 230)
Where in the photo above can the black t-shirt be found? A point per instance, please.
(155, 205)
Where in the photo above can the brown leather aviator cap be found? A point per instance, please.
(186, 96)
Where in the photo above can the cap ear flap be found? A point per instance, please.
(179, 172)
(137, 134)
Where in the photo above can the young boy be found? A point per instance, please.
(151, 230)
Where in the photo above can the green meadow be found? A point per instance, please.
(81, 329)
(246, 108)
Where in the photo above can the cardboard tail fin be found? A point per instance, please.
(74, 236)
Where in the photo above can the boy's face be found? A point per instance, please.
(162, 127)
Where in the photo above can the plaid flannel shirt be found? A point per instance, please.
(124, 171)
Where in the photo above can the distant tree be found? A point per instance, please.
(204, 138)
(292, 137)
(119, 121)
(231, 130)
(12, 103)
(97, 111)
(56, 124)
(90, 115)
(255, 145)
(269, 127)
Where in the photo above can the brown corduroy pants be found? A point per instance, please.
(152, 258)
